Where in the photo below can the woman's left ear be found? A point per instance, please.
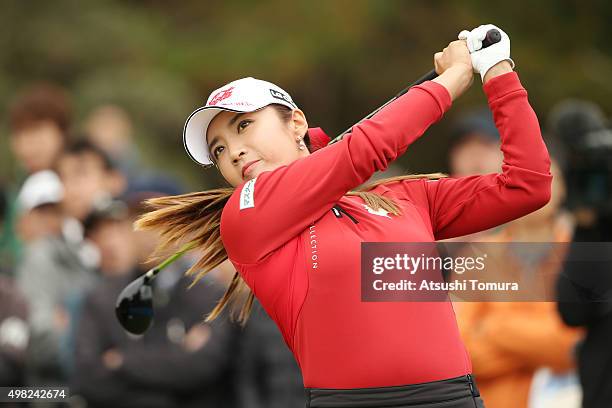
(299, 123)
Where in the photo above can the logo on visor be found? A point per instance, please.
(221, 95)
(279, 95)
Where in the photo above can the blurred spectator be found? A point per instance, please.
(4, 251)
(2, 206)
(108, 227)
(14, 334)
(267, 373)
(110, 128)
(584, 293)
(585, 286)
(40, 214)
(475, 149)
(475, 145)
(587, 141)
(50, 273)
(39, 121)
(179, 361)
(509, 341)
(88, 175)
(10, 246)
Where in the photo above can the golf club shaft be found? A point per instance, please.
(492, 37)
(427, 77)
(152, 273)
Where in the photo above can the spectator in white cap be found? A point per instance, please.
(38, 202)
(50, 274)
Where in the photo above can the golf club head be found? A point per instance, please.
(134, 306)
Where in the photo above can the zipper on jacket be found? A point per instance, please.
(337, 210)
(473, 389)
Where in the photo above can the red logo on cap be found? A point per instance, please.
(221, 95)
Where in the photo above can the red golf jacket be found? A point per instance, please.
(295, 238)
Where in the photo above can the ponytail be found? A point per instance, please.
(196, 217)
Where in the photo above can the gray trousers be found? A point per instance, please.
(458, 392)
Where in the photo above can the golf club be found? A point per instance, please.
(493, 36)
(134, 307)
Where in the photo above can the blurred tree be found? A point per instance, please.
(339, 60)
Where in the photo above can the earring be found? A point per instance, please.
(301, 146)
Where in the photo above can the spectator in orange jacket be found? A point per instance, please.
(509, 341)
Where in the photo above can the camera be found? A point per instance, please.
(586, 138)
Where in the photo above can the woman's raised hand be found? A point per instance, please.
(490, 61)
(454, 67)
(456, 54)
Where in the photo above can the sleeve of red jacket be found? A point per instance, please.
(461, 206)
(265, 213)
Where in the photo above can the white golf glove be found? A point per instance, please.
(484, 58)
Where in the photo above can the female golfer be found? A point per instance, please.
(292, 228)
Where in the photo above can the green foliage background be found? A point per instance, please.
(338, 59)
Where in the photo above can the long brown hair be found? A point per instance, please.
(196, 217)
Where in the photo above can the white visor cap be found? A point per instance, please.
(243, 95)
(43, 187)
